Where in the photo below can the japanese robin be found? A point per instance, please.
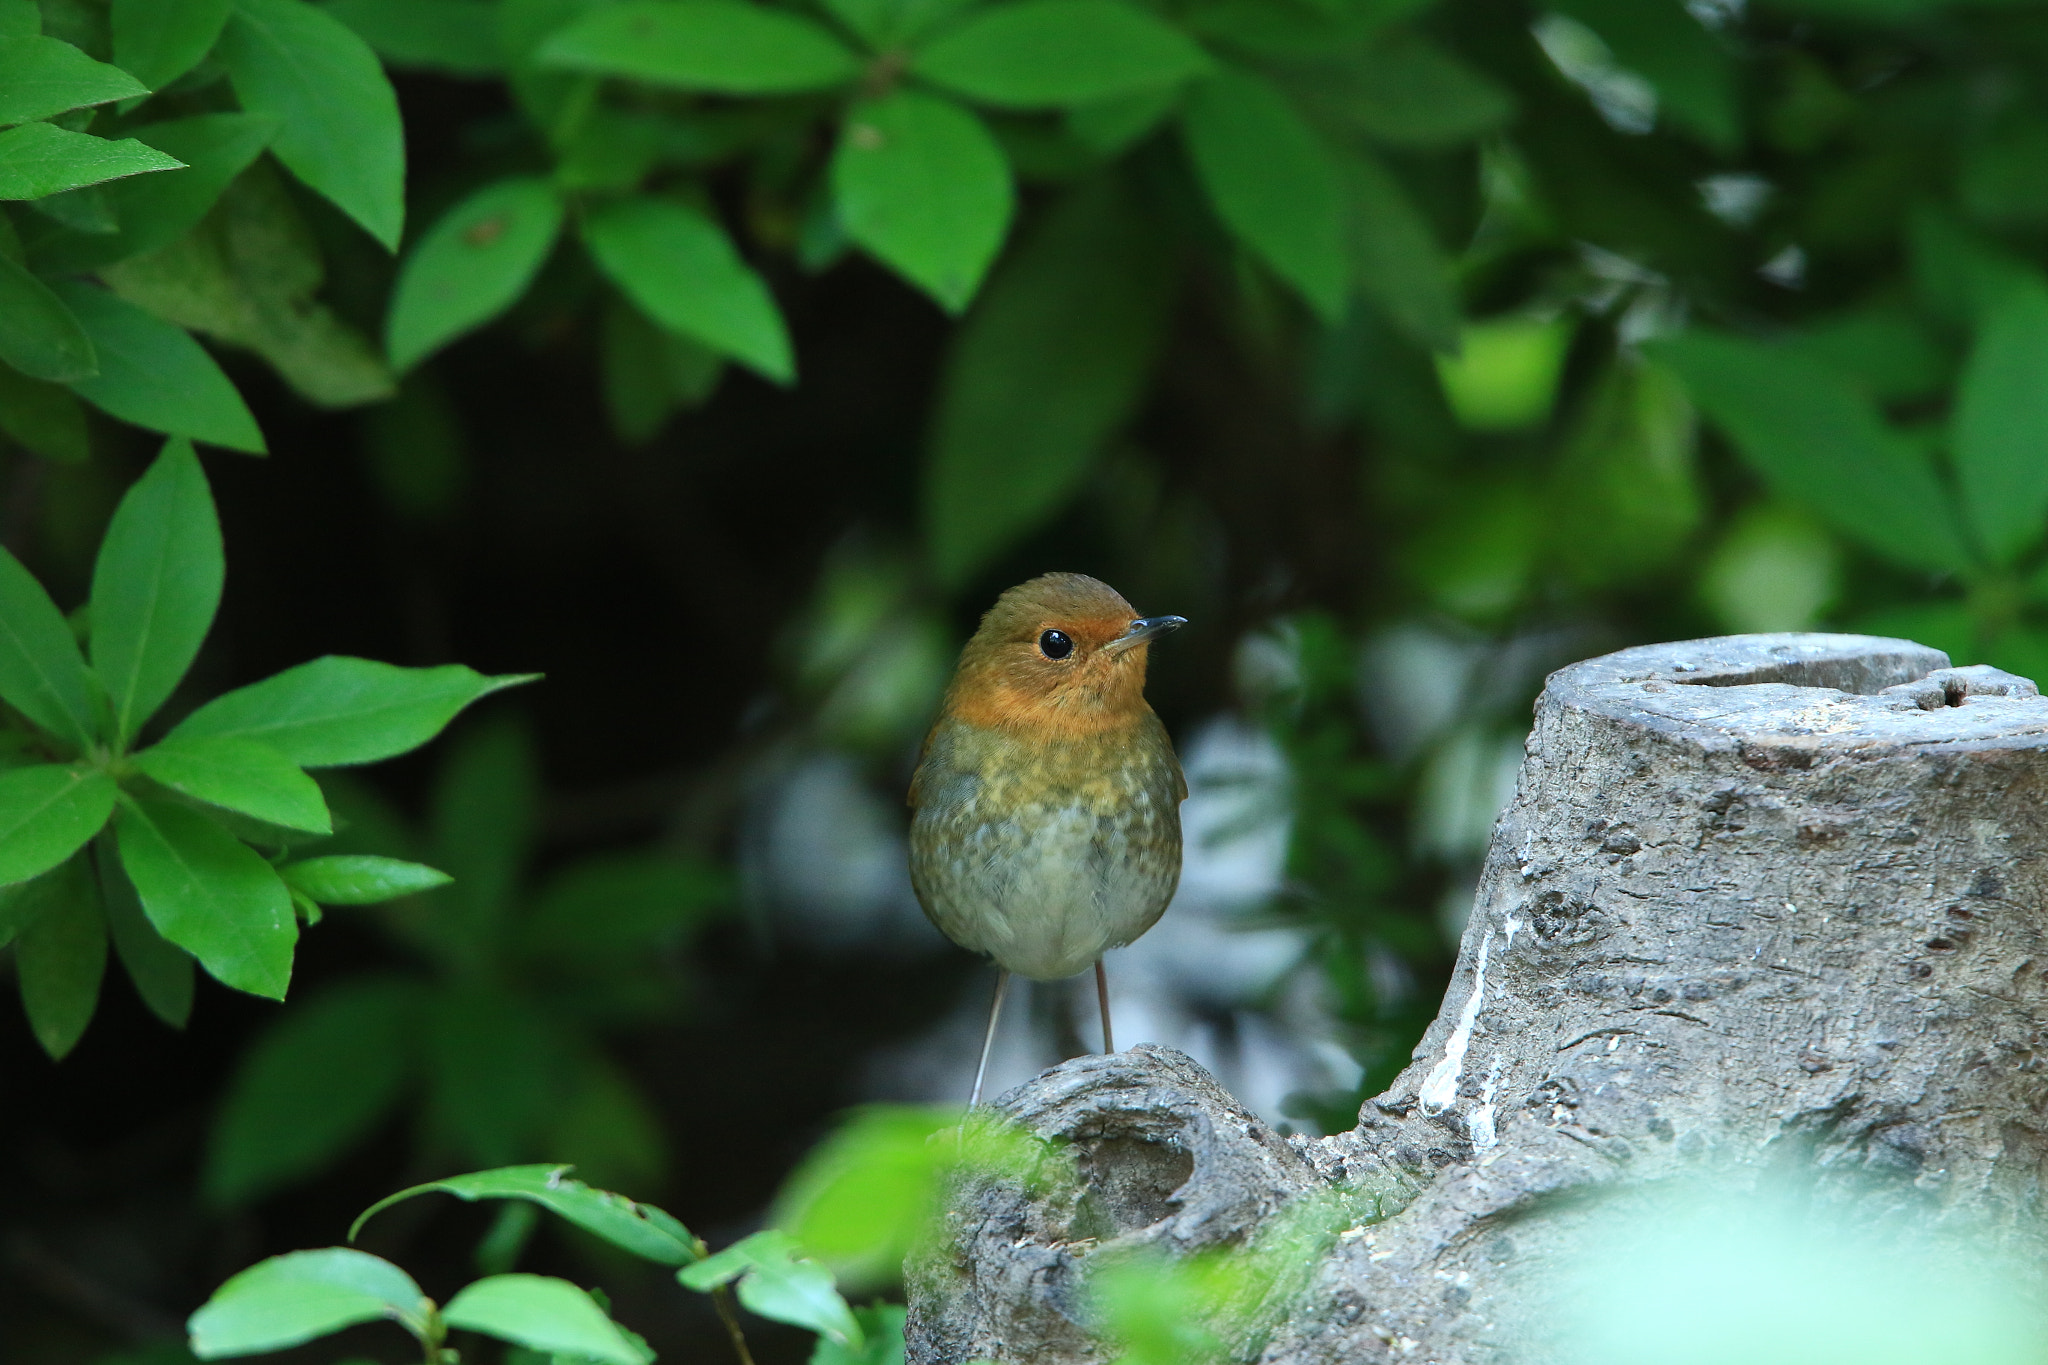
(1047, 798)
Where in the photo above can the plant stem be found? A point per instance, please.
(723, 1299)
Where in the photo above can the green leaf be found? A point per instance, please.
(778, 1284)
(604, 910)
(681, 269)
(314, 1085)
(47, 812)
(2000, 435)
(1396, 258)
(155, 587)
(1820, 443)
(160, 969)
(545, 1314)
(1407, 91)
(641, 1229)
(455, 37)
(155, 375)
(886, 24)
(337, 710)
(920, 183)
(649, 372)
(45, 418)
(302, 1295)
(41, 76)
(60, 956)
(153, 211)
(1041, 54)
(882, 1325)
(40, 159)
(340, 131)
(1046, 368)
(359, 878)
(210, 894)
(485, 808)
(1694, 75)
(1504, 374)
(160, 40)
(471, 266)
(241, 775)
(41, 672)
(1273, 182)
(721, 46)
(1957, 271)
(20, 18)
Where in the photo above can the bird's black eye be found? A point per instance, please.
(1054, 644)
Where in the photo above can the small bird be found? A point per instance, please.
(1047, 797)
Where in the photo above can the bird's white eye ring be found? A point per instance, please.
(1055, 644)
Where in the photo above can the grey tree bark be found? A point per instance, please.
(1758, 901)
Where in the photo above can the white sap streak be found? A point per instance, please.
(1442, 1086)
(1509, 942)
(1481, 1123)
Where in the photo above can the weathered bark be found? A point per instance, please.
(1758, 902)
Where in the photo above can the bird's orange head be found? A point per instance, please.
(1063, 652)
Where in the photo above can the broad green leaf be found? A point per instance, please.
(458, 37)
(886, 24)
(45, 418)
(1958, 272)
(1820, 443)
(1054, 53)
(1504, 373)
(155, 375)
(303, 1295)
(340, 131)
(337, 710)
(160, 40)
(722, 46)
(160, 969)
(1045, 369)
(155, 587)
(779, 1284)
(604, 910)
(60, 956)
(2000, 434)
(1694, 76)
(20, 18)
(242, 775)
(1273, 182)
(484, 812)
(649, 372)
(863, 1198)
(919, 182)
(1113, 125)
(41, 672)
(497, 1065)
(22, 902)
(359, 878)
(211, 894)
(41, 76)
(882, 1325)
(1407, 91)
(641, 1229)
(471, 266)
(47, 812)
(314, 1085)
(153, 211)
(542, 1313)
(1886, 347)
(40, 159)
(678, 265)
(1395, 257)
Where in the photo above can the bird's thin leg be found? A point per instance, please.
(995, 1012)
(1102, 999)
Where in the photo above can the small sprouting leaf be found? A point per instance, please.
(542, 1313)
(641, 1229)
(160, 40)
(1273, 182)
(242, 775)
(2001, 423)
(471, 266)
(313, 1086)
(340, 131)
(38, 160)
(60, 956)
(458, 37)
(42, 76)
(160, 969)
(722, 46)
(359, 878)
(155, 375)
(155, 586)
(47, 812)
(302, 1295)
(38, 335)
(922, 184)
(778, 1283)
(337, 710)
(1053, 53)
(679, 266)
(211, 894)
(42, 674)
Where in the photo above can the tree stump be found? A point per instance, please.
(1758, 901)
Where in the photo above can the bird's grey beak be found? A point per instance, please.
(1143, 629)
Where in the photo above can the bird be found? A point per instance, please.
(1045, 823)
